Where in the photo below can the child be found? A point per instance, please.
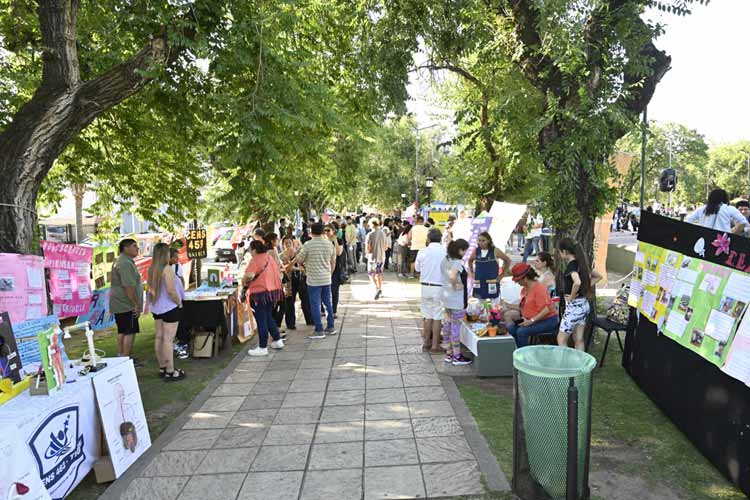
(454, 299)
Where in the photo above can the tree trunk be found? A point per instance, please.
(61, 107)
(79, 190)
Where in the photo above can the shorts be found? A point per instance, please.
(374, 267)
(127, 323)
(171, 316)
(413, 255)
(575, 314)
(432, 302)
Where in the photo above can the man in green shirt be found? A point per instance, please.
(126, 296)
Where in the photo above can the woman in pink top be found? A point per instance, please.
(263, 282)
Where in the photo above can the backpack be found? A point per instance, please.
(619, 311)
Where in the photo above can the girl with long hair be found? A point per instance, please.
(578, 283)
(484, 268)
(454, 300)
(718, 214)
(545, 268)
(165, 296)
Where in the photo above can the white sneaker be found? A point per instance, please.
(258, 351)
(277, 344)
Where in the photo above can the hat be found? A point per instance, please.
(520, 271)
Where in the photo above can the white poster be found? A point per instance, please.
(505, 217)
(123, 418)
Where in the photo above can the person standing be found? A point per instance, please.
(484, 268)
(290, 283)
(337, 278)
(417, 241)
(376, 244)
(360, 235)
(126, 297)
(579, 282)
(403, 250)
(319, 258)
(718, 214)
(183, 332)
(454, 299)
(263, 283)
(387, 230)
(165, 296)
(350, 239)
(534, 225)
(429, 264)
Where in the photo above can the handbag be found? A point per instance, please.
(247, 325)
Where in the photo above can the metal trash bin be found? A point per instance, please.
(552, 423)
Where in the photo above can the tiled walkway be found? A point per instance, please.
(360, 415)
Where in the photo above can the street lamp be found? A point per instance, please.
(416, 159)
(403, 199)
(428, 183)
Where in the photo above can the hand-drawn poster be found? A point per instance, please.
(99, 315)
(23, 290)
(70, 271)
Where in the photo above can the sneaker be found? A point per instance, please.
(448, 358)
(317, 335)
(461, 361)
(379, 294)
(258, 351)
(282, 336)
(331, 330)
(183, 355)
(277, 344)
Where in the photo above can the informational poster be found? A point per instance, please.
(196, 244)
(27, 342)
(99, 315)
(10, 360)
(101, 266)
(505, 217)
(440, 218)
(70, 271)
(123, 418)
(23, 290)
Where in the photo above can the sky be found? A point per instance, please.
(708, 87)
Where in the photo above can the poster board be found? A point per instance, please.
(101, 266)
(70, 271)
(28, 344)
(505, 217)
(122, 414)
(440, 217)
(196, 244)
(708, 404)
(23, 289)
(10, 360)
(99, 315)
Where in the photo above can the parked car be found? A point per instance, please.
(224, 247)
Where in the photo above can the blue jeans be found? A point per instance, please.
(266, 323)
(522, 333)
(532, 245)
(318, 294)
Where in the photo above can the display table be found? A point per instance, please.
(214, 313)
(493, 356)
(62, 434)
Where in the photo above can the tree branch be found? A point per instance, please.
(454, 69)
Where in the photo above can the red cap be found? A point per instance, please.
(520, 271)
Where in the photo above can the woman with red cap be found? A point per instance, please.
(537, 314)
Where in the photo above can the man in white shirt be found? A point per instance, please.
(428, 263)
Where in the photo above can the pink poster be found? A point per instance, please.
(70, 277)
(23, 292)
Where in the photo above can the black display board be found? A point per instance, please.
(196, 244)
(710, 407)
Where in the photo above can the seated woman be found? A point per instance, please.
(537, 314)
(545, 268)
(484, 267)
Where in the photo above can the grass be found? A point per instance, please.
(162, 401)
(622, 416)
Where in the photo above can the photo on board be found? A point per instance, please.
(688, 314)
(719, 352)
(696, 338)
(684, 303)
(686, 262)
(7, 283)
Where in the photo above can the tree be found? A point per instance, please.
(729, 168)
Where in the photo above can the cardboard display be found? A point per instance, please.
(23, 289)
(70, 283)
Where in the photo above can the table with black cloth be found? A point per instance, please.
(216, 314)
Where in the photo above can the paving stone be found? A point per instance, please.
(303, 385)
(384, 381)
(387, 429)
(343, 484)
(270, 387)
(278, 376)
(430, 393)
(336, 455)
(193, 440)
(281, 458)
(155, 488)
(395, 395)
(223, 403)
(290, 434)
(242, 378)
(327, 344)
(316, 354)
(339, 432)
(386, 411)
(436, 426)
(424, 358)
(346, 384)
(216, 487)
(439, 449)
(381, 351)
(174, 463)
(453, 479)
(349, 361)
(312, 374)
(263, 360)
(393, 370)
(418, 368)
(308, 415)
(391, 452)
(233, 389)
(350, 351)
(348, 371)
(262, 402)
(288, 356)
(303, 399)
(404, 481)
(253, 418)
(412, 380)
(237, 437)
(284, 365)
(315, 363)
(339, 398)
(208, 420)
(342, 413)
(231, 460)
(388, 360)
(271, 486)
(431, 409)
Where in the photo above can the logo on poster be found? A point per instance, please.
(57, 447)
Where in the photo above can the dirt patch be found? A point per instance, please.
(615, 486)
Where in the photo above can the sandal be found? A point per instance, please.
(174, 375)
(162, 372)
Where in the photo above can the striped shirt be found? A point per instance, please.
(316, 255)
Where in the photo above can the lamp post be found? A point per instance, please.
(416, 159)
(428, 183)
(403, 199)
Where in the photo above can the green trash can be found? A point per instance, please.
(552, 423)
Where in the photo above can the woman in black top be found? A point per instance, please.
(578, 283)
(337, 278)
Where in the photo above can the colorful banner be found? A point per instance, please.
(23, 290)
(70, 272)
(99, 315)
(101, 266)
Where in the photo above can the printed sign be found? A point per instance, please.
(23, 291)
(196, 244)
(124, 421)
(27, 341)
(99, 315)
(70, 271)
